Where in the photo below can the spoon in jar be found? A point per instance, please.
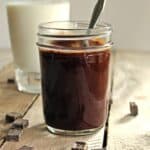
(95, 15)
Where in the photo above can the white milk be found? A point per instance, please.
(24, 19)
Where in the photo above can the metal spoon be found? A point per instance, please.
(96, 13)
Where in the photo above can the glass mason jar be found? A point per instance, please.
(75, 74)
(24, 17)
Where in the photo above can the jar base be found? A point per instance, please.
(73, 132)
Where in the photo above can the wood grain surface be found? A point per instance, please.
(40, 138)
(126, 132)
(10, 99)
(132, 84)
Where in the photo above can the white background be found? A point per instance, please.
(130, 20)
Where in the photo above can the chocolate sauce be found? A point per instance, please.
(74, 88)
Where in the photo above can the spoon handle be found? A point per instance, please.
(96, 13)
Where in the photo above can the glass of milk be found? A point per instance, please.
(24, 16)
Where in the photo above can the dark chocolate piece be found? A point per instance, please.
(133, 109)
(80, 146)
(20, 123)
(13, 135)
(26, 148)
(10, 81)
(12, 116)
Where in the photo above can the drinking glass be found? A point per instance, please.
(24, 17)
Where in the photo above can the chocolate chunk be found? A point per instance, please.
(12, 116)
(13, 135)
(80, 146)
(26, 148)
(10, 81)
(133, 109)
(20, 123)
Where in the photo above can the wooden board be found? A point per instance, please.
(40, 138)
(10, 99)
(132, 83)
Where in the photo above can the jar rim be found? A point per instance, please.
(72, 29)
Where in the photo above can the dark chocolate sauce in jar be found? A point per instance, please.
(74, 88)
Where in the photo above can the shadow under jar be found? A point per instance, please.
(75, 69)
